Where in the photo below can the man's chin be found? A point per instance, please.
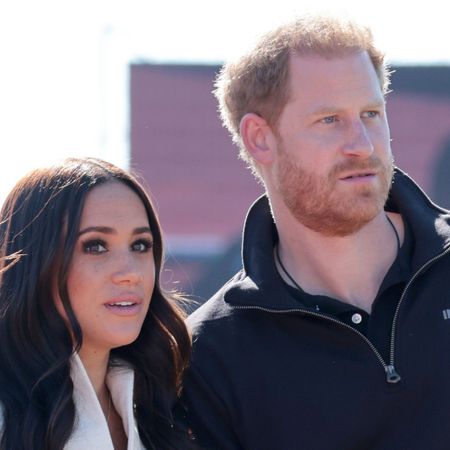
(345, 221)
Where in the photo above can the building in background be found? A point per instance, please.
(202, 190)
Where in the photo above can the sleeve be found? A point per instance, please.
(204, 413)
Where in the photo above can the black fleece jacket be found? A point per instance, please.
(271, 374)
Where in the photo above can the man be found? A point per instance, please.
(332, 336)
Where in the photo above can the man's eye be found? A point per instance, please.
(371, 114)
(94, 247)
(142, 246)
(329, 119)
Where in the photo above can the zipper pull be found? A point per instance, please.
(391, 374)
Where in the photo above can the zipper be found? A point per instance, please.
(392, 375)
(394, 321)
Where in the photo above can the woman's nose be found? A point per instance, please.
(126, 270)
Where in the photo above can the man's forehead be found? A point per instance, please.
(315, 70)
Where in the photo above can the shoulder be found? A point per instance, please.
(214, 311)
(221, 325)
(219, 311)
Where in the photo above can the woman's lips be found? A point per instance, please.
(124, 305)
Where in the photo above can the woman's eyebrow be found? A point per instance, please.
(141, 230)
(109, 230)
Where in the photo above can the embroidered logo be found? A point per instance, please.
(446, 313)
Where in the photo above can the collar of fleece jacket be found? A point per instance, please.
(429, 224)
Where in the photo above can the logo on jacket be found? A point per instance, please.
(446, 313)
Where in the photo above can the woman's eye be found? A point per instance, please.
(142, 246)
(94, 247)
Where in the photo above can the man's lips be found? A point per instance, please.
(363, 174)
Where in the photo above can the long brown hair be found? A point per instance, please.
(39, 223)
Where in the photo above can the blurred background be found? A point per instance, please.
(131, 82)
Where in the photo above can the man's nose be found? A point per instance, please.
(357, 140)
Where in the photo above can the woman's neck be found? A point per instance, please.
(96, 366)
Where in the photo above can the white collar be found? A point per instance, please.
(90, 428)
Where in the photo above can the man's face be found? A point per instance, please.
(333, 168)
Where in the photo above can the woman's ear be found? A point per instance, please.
(57, 299)
(258, 138)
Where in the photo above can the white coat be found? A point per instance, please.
(91, 430)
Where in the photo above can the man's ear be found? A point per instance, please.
(258, 138)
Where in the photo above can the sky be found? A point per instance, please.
(64, 64)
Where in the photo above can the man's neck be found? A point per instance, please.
(349, 268)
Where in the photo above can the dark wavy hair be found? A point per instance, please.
(39, 223)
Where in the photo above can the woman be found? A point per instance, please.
(92, 351)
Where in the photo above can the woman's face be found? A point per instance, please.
(112, 273)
